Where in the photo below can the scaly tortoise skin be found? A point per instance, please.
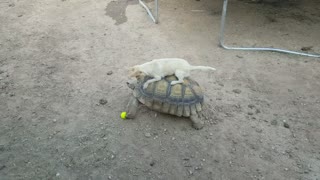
(185, 99)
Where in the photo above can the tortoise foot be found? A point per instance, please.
(132, 108)
(197, 123)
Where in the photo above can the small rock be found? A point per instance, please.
(251, 106)
(258, 111)
(2, 148)
(238, 56)
(274, 122)
(11, 5)
(58, 174)
(250, 113)
(152, 163)
(259, 130)
(103, 101)
(109, 72)
(112, 156)
(20, 15)
(173, 139)
(2, 167)
(306, 48)
(54, 120)
(147, 135)
(1, 72)
(237, 91)
(286, 125)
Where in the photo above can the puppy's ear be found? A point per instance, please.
(132, 71)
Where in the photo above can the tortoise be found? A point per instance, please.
(184, 99)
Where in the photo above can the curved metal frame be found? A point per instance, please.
(153, 17)
(223, 19)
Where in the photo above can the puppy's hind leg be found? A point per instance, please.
(156, 78)
(180, 74)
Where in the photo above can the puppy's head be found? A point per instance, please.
(135, 72)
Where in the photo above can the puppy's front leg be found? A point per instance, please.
(156, 78)
(180, 74)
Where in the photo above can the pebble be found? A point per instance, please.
(2, 167)
(147, 135)
(286, 125)
(54, 120)
(251, 106)
(237, 91)
(152, 163)
(103, 101)
(274, 122)
(2, 147)
(306, 48)
(250, 113)
(109, 72)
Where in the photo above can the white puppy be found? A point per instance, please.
(159, 68)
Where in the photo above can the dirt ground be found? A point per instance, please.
(63, 87)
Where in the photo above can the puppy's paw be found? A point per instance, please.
(174, 82)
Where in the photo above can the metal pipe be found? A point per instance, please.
(154, 18)
(223, 19)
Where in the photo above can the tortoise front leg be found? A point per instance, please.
(132, 107)
(197, 123)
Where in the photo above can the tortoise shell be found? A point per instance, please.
(184, 99)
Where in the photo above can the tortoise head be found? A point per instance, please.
(131, 83)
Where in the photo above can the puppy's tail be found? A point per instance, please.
(203, 68)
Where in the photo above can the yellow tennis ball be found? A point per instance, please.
(123, 115)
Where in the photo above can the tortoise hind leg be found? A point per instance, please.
(132, 107)
(197, 123)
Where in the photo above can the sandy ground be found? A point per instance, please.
(63, 86)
